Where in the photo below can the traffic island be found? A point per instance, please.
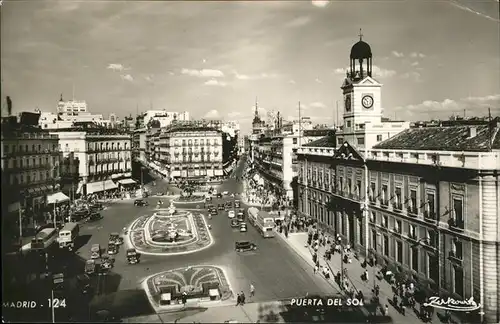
(192, 286)
(170, 234)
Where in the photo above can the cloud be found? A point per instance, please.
(320, 3)
(318, 80)
(203, 73)
(473, 106)
(214, 113)
(317, 105)
(127, 77)
(415, 55)
(292, 82)
(171, 73)
(214, 82)
(255, 76)
(378, 72)
(299, 21)
(397, 54)
(148, 78)
(415, 63)
(234, 114)
(412, 75)
(116, 67)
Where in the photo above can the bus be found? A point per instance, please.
(262, 221)
(68, 235)
(44, 239)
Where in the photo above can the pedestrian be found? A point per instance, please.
(386, 310)
(238, 300)
(242, 294)
(252, 290)
(316, 268)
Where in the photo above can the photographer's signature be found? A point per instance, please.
(467, 305)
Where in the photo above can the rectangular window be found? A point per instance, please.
(358, 188)
(340, 141)
(414, 259)
(374, 240)
(432, 267)
(397, 226)
(348, 124)
(458, 274)
(399, 251)
(385, 221)
(398, 199)
(361, 141)
(386, 245)
(413, 201)
(412, 231)
(431, 206)
(384, 195)
(458, 214)
(379, 138)
(294, 140)
(373, 192)
(349, 186)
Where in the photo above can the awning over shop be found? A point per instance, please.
(99, 186)
(117, 176)
(57, 197)
(126, 181)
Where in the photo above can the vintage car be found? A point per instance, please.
(235, 223)
(237, 204)
(115, 238)
(133, 257)
(220, 206)
(160, 193)
(95, 251)
(95, 216)
(243, 227)
(83, 283)
(90, 267)
(214, 212)
(107, 262)
(243, 246)
(112, 249)
(225, 193)
(219, 195)
(80, 214)
(210, 207)
(140, 202)
(208, 198)
(231, 214)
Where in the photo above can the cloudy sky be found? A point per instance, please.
(435, 58)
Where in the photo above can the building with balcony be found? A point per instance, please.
(30, 167)
(103, 155)
(423, 201)
(190, 151)
(139, 139)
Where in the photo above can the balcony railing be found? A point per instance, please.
(384, 203)
(429, 215)
(412, 210)
(397, 206)
(454, 256)
(372, 199)
(456, 224)
(413, 236)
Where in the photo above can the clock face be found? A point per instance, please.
(348, 103)
(367, 101)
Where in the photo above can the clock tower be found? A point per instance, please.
(362, 93)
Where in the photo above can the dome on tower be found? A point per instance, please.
(361, 50)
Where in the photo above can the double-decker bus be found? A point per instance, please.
(262, 221)
(44, 239)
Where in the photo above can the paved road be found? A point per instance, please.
(274, 269)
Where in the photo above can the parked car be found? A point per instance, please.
(214, 212)
(225, 193)
(220, 206)
(243, 227)
(95, 216)
(219, 195)
(237, 204)
(234, 223)
(230, 214)
(140, 202)
(243, 246)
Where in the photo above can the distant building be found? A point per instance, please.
(30, 168)
(191, 152)
(165, 118)
(103, 155)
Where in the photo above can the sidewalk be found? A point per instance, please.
(298, 241)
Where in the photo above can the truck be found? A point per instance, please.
(262, 221)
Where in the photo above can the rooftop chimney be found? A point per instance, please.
(472, 131)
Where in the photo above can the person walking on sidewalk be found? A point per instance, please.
(316, 268)
(252, 290)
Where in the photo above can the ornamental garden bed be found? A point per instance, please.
(195, 281)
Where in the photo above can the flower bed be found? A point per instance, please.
(202, 240)
(193, 277)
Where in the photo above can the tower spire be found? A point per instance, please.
(360, 35)
(256, 107)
